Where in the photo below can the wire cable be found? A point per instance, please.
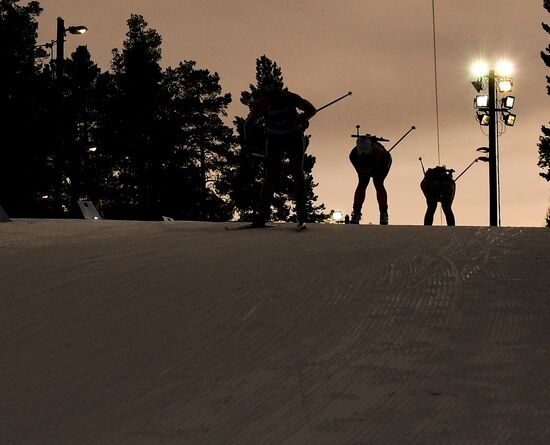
(436, 85)
(436, 99)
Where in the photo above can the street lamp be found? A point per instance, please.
(487, 116)
(59, 65)
(61, 33)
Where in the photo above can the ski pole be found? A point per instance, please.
(402, 137)
(422, 164)
(481, 158)
(334, 101)
(466, 169)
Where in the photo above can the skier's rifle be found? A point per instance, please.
(380, 139)
(368, 136)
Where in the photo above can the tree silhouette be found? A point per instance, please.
(81, 118)
(202, 145)
(23, 153)
(170, 152)
(248, 177)
(544, 140)
(133, 129)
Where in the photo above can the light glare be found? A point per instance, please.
(337, 216)
(504, 68)
(480, 68)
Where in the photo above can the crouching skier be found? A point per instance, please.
(438, 185)
(370, 159)
(284, 130)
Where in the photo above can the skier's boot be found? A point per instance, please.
(301, 226)
(355, 214)
(383, 215)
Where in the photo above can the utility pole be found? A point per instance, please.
(59, 152)
(493, 162)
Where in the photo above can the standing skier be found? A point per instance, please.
(370, 159)
(438, 185)
(284, 130)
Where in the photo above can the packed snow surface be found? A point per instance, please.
(120, 332)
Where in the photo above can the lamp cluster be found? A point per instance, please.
(504, 85)
(488, 107)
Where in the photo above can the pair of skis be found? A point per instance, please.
(299, 228)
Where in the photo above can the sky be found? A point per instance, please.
(382, 51)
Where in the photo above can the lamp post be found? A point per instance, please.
(487, 114)
(60, 44)
(493, 182)
(59, 69)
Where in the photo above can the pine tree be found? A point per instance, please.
(202, 145)
(133, 130)
(81, 116)
(171, 152)
(544, 140)
(248, 178)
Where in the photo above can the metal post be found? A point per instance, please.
(60, 56)
(59, 155)
(493, 191)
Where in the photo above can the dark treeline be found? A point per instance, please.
(139, 141)
(544, 142)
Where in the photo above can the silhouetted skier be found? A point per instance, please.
(284, 130)
(370, 159)
(438, 185)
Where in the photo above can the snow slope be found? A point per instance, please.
(117, 332)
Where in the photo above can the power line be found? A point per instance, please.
(436, 87)
(436, 99)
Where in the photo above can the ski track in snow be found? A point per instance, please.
(185, 333)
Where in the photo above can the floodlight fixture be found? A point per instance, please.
(505, 85)
(483, 118)
(509, 119)
(481, 101)
(483, 158)
(478, 84)
(508, 102)
(483, 149)
(80, 29)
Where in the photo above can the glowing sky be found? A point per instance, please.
(382, 50)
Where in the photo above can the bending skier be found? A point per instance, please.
(370, 160)
(438, 185)
(284, 128)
